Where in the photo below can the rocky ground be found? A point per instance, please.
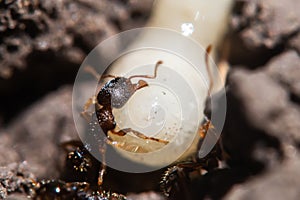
(45, 42)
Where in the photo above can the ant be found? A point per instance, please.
(59, 190)
(175, 176)
(114, 94)
(82, 164)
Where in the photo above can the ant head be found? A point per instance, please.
(116, 92)
(78, 160)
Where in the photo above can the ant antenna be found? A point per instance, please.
(210, 76)
(147, 76)
(92, 71)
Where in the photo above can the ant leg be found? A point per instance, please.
(72, 143)
(85, 113)
(110, 141)
(204, 128)
(81, 185)
(223, 64)
(148, 76)
(102, 170)
(207, 124)
(108, 76)
(102, 150)
(224, 154)
(208, 68)
(138, 134)
(94, 73)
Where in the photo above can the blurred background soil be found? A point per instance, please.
(42, 44)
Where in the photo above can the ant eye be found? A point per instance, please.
(172, 177)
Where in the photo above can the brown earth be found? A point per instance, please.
(42, 44)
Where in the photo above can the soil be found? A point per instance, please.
(45, 42)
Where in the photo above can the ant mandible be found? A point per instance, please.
(115, 94)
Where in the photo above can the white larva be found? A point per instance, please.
(205, 22)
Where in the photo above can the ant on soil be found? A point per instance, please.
(80, 165)
(176, 177)
(60, 190)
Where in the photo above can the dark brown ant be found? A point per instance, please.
(60, 190)
(175, 177)
(83, 167)
(80, 165)
(79, 159)
(114, 94)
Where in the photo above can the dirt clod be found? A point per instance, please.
(15, 177)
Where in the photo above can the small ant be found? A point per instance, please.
(60, 190)
(82, 166)
(79, 158)
(57, 190)
(114, 94)
(175, 177)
